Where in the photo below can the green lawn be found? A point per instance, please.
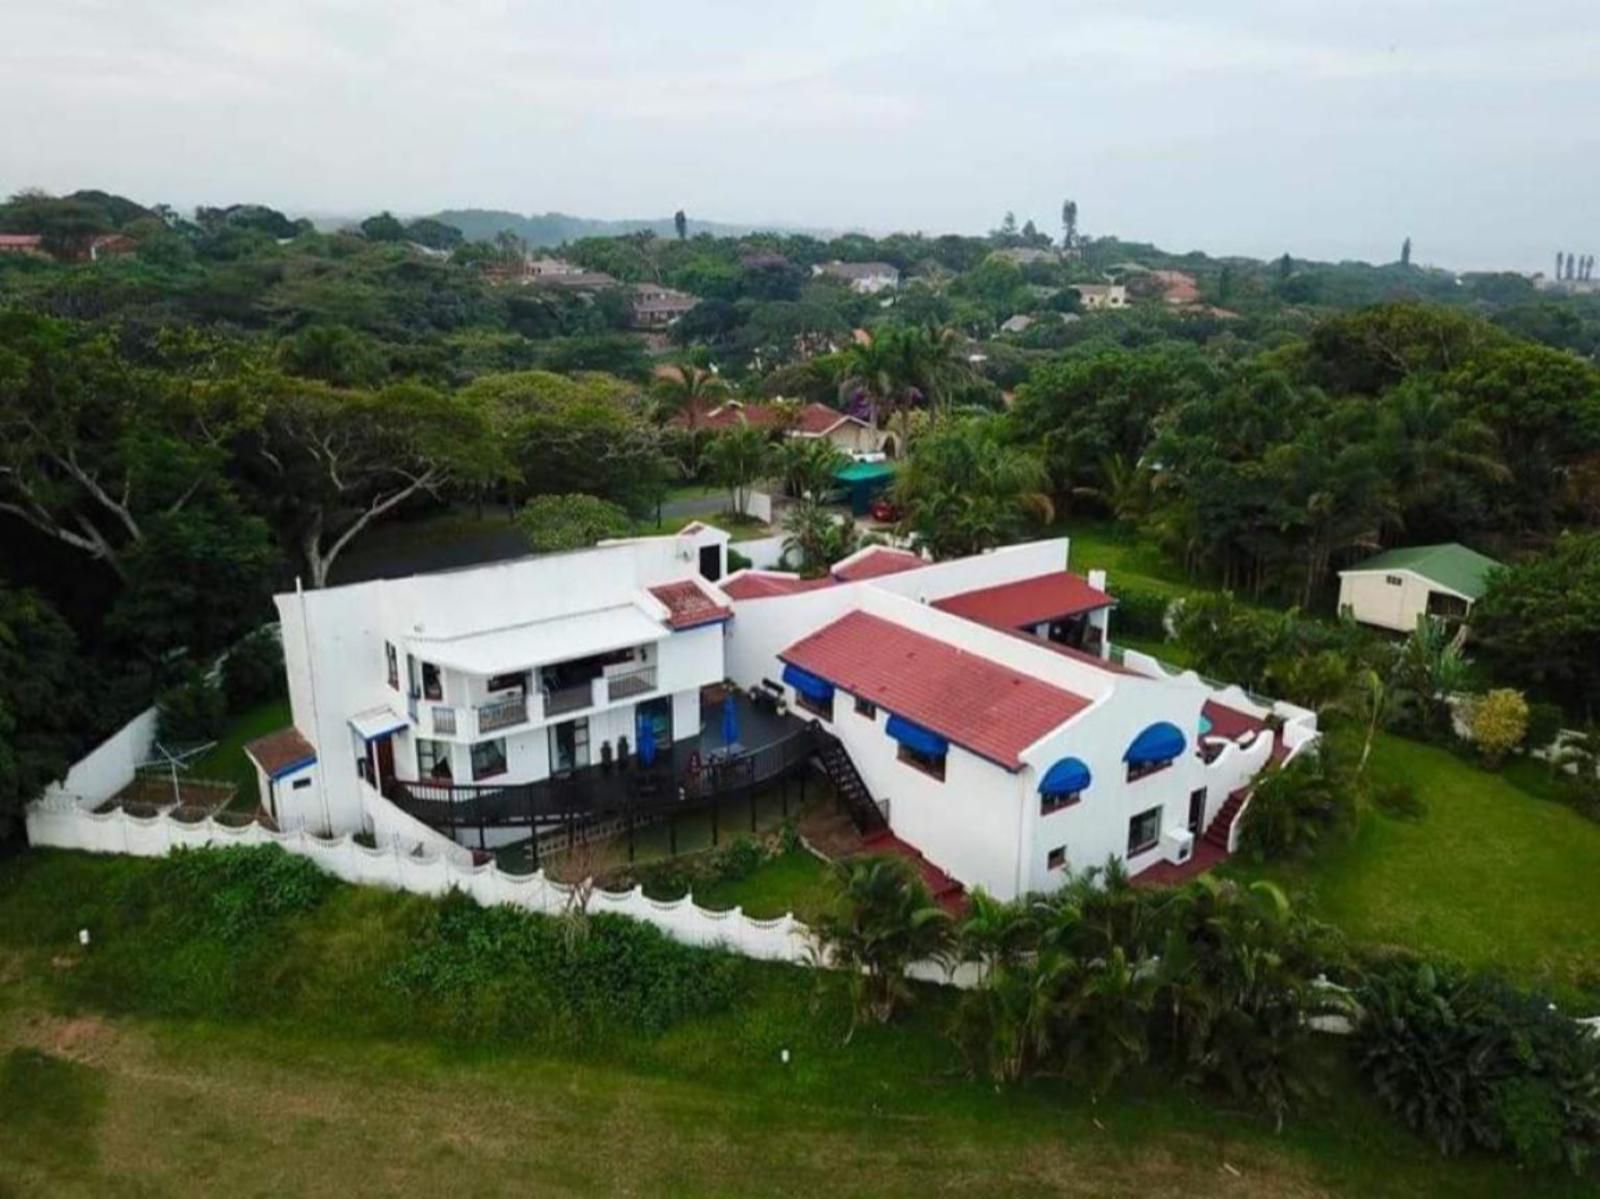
(1105, 545)
(797, 882)
(1492, 875)
(315, 1078)
(226, 759)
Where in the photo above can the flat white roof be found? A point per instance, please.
(541, 642)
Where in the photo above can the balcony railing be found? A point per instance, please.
(569, 699)
(629, 683)
(444, 721)
(502, 714)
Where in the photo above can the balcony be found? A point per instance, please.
(625, 684)
(575, 698)
(502, 714)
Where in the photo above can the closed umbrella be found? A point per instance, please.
(730, 721)
(647, 742)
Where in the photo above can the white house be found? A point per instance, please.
(1095, 296)
(973, 707)
(1397, 586)
(864, 278)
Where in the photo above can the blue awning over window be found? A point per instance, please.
(1066, 777)
(914, 736)
(817, 690)
(1161, 742)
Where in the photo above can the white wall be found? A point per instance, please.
(1373, 600)
(111, 765)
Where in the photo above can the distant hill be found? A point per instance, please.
(553, 228)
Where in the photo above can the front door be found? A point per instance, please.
(711, 562)
(569, 746)
(383, 762)
(1197, 810)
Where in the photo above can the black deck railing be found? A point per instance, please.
(681, 781)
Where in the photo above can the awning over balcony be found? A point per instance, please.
(542, 642)
(813, 687)
(377, 722)
(1066, 777)
(1161, 742)
(914, 736)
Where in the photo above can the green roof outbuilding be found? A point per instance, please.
(1451, 566)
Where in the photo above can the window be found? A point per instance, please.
(930, 764)
(433, 759)
(489, 758)
(1144, 831)
(393, 661)
(865, 707)
(432, 684)
(816, 707)
(1056, 859)
(301, 784)
(1139, 770)
(1394, 580)
(508, 682)
(1054, 803)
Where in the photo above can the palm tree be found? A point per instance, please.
(966, 489)
(885, 920)
(807, 465)
(689, 391)
(738, 458)
(874, 368)
(816, 537)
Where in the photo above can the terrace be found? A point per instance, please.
(685, 776)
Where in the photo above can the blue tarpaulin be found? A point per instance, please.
(817, 690)
(647, 741)
(1161, 742)
(1066, 777)
(914, 736)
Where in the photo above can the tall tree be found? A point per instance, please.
(965, 489)
(1405, 252)
(1069, 224)
(42, 700)
(681, 224)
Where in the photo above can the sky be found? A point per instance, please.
(1330, 129)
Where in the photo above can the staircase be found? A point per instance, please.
(1222, 823)
(852, 792)
(946, 891)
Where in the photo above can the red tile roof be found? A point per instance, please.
(278, 751)
(688, 606)
(817, 419)
(877, 562)
(990, 709)
(1028, 601)
(23, 240)
(760, 584)
(813, 419)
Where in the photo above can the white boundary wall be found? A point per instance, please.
(110, 766)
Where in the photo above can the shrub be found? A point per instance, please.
(253, 671)
(1499, 722)
(1397, 798)
(1140, 613)
(192, 709)
(1298, 807)
(1469, 1061)
(737, 561)
(1545, 722)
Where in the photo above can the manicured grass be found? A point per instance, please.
(226, 759)
(797, 882)
(1105, 545)
(1492, 875)
(290, 1088)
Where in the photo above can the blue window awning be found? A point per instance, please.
(815, 688)
(1066, 777)
(1161, 742)
(914, 736)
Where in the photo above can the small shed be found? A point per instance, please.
(1394, 588)
(864, 481)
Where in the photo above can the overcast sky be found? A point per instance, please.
(1330, 128)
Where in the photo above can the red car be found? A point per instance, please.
(884, 510)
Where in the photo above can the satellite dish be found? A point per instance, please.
(173, 759)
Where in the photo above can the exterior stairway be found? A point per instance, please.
(946, 891)
(1222, 823)
(852, 792)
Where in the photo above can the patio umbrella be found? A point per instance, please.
(730, 721)
(647, 742)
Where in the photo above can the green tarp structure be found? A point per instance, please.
(864, 481)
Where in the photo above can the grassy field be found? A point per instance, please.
(797, 882)
(1103, 545)
(226, 759)
(1491, 875)
(285, 1088)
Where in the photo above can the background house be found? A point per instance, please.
(1399, 585)
(865, 278)
(1101, 295)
